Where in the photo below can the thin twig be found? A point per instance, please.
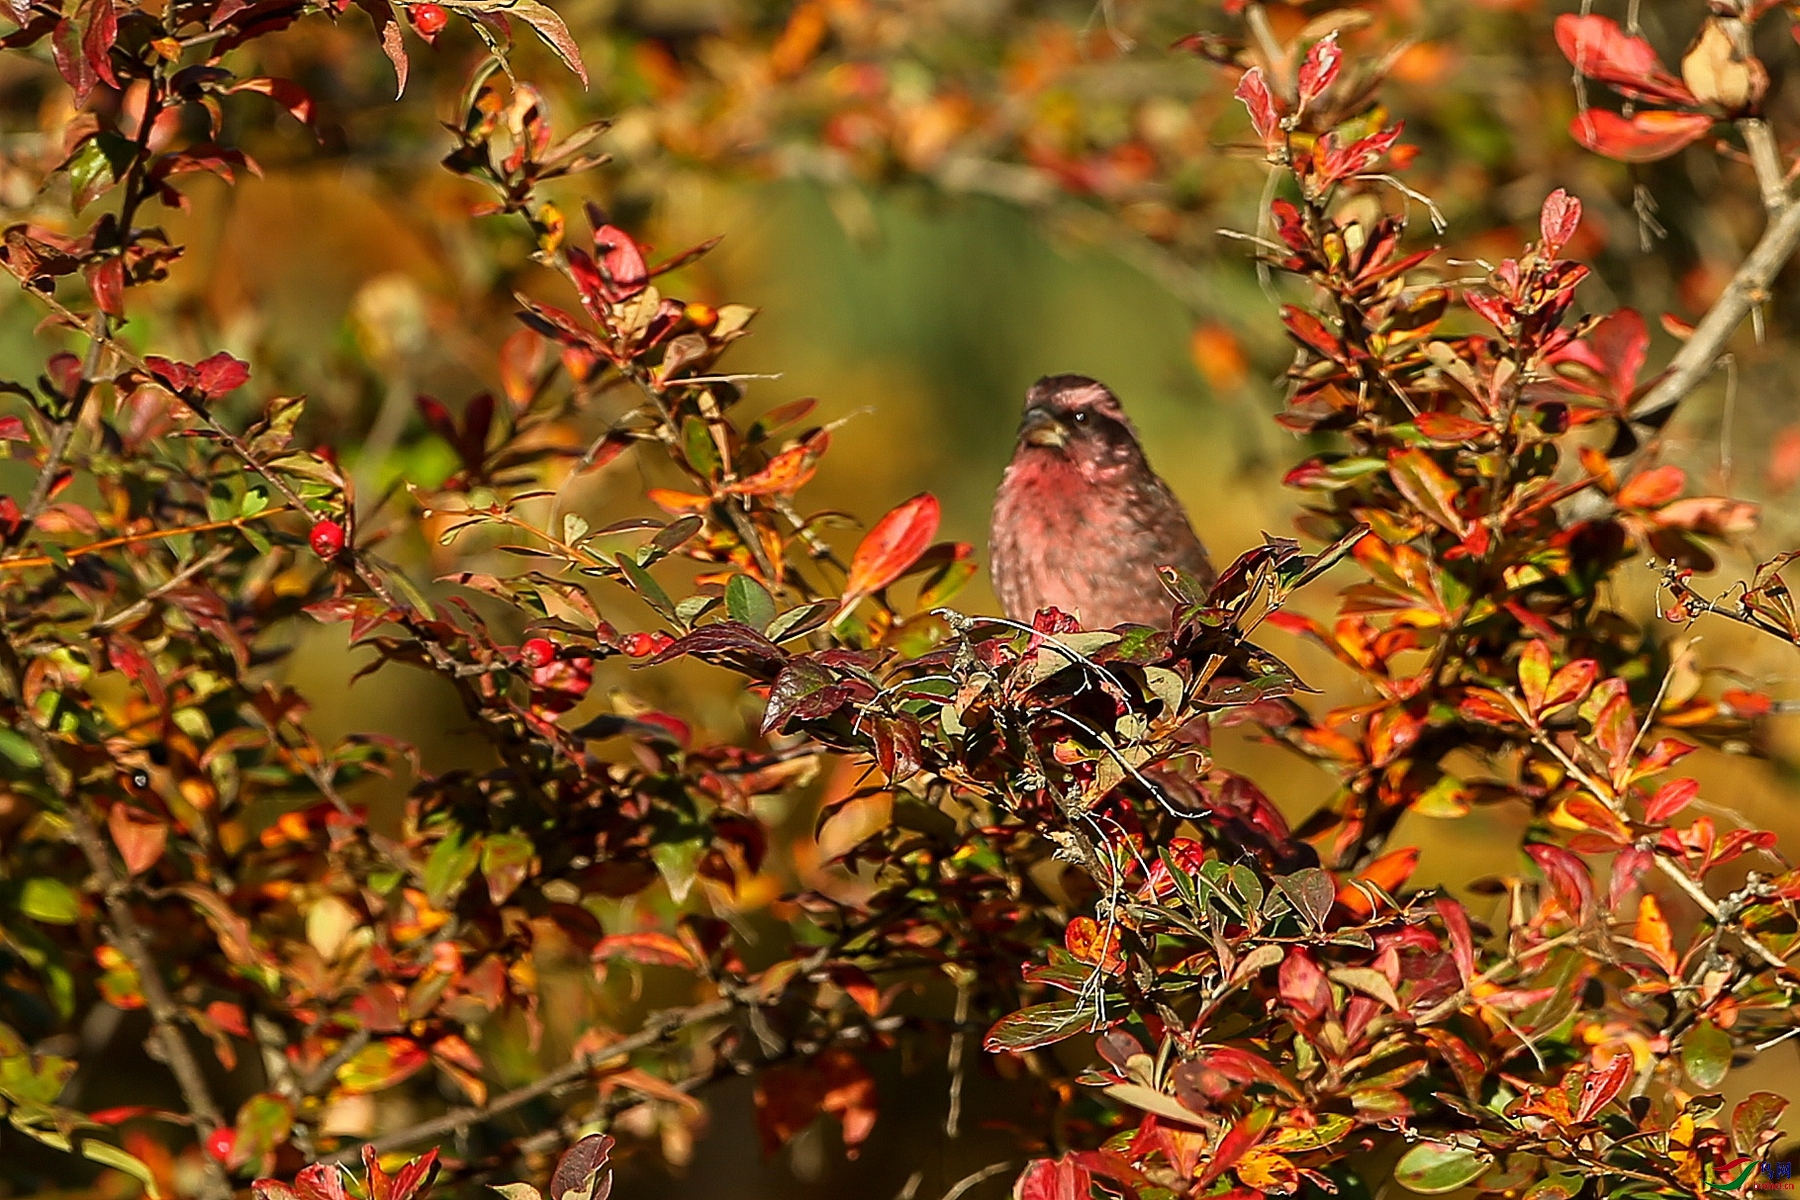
(1748, 288)
(981, 1176)
(1675, 874)
(658, 1027)
(133, 539)
(147, 601)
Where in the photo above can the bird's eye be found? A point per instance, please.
(1080, 418)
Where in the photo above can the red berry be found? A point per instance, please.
(660, 642)
(537, 652)
(638, 645)
(428, 19)
(327, 539)
(221, 1142)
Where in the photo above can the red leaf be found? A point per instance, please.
(1235, 1144)
(891, 547)
(392, 44)
(228, 1017)
(1670, 799)
(1451, 428)
(97, 41)
(12, 429)
(71, 59)
(1568, 877)
(1253, 90)
(1462, 941)
(1559, 219)
(1302, 985)
(1310, 332)
(414, 1176)
(1646, 137)
(1241, 1066)
(1341, 162)
(1320, 70)
(1614, 351)
(139, 836)
(321, 1181)
(120, 1115)
(1569, 685)
(221, 374)
(622, 271)
(1599, 49)
(107, 282)
(1054, 1179)
(284, 92)
(1598, 1089)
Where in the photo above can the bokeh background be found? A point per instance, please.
(934, 202)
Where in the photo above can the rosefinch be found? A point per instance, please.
(1081, 522)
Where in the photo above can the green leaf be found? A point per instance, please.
(96, 168)
(109, 1155)
(645, 585)
(946, 582)
(381, 1065)
(1753, 1118)
(263, 1123)
(517, 1191)
(748, 601)
(1706, 1055)
(49, 900)
(16, 747)
(1432, 1169)
(505, 861)
(697, 444)
(1368, 981)
(1311, 892)
(1039, 1025)
(451, 863)
(679, 862)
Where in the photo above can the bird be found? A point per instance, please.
(1081, 523)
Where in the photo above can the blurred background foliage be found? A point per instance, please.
(932, 202)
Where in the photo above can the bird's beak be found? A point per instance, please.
(1041, 428)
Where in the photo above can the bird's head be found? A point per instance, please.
(1077, 418)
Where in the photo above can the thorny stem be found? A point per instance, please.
(1748, 288)
(1765, 159)
(122, 927)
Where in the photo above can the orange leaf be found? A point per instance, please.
(1652, 933)
(891, 547)
(139, 836)
(1653, 488)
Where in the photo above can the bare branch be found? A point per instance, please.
(1748, 288)
(658, 1027)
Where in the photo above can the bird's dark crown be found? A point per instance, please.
(1078, 418)
(1073, 393)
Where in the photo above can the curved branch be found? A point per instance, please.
(1748, 288)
